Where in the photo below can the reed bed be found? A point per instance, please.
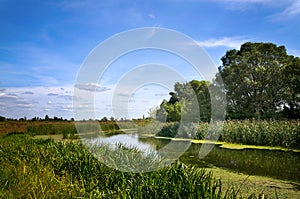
(266, 133)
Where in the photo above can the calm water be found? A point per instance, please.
(276, 164)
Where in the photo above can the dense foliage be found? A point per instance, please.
(190, 99)
(259, 80)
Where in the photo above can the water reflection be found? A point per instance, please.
(277, 164)
(126, 140)
(273, 163)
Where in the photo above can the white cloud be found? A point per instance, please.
(292, 9)
(27, 93)
(15, 104)
(8, 96)
(152, 16)
(52, 94)
(288, 7)
(231, 42)
(92, 87)
(161, 94)
(35, 102)
(294, 52)
(123, 94)
(242, 5)
(24, 105)
(66, 97)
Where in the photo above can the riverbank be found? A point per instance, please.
(222, 144)
(247, 184)
(285, 134)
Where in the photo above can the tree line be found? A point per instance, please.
(260, 80)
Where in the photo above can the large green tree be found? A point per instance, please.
(255, 80)
(292, 88)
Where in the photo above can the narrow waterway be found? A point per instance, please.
(277, 164)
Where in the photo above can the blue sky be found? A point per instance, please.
(44, 43)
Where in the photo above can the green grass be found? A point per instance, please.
(260, 185)
(34, 168)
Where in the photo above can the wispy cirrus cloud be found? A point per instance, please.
(231, 42)
(286, 7)
(291, 9)
(242, 5)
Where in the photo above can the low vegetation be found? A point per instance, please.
(65, 128)
(44, 168)
(265, 133)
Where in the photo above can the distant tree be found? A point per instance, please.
(47, 118)
(22, 119)
(2, 119)
(104, 119)
(112, 119)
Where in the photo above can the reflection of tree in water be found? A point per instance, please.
(249, 161)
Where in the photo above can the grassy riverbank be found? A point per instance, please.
(285, 134)
(44, 168)
(247, 184)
